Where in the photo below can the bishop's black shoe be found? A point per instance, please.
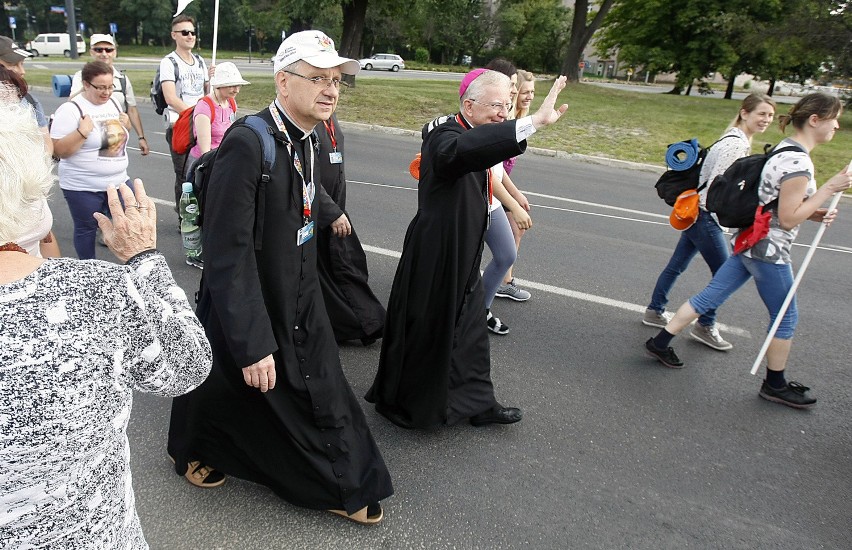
(497, 414)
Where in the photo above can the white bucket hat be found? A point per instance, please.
(227, 74)
(314, 48)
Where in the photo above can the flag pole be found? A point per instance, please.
(799, 275)
(215, 30)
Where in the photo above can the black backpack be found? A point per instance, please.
(202, 169)
(158, 99)
(674, 182)
(733, 195)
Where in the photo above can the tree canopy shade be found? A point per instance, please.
(767, 38)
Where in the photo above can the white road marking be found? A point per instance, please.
(573, 294)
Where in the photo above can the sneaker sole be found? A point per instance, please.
(785, 402)
(492, 331)
(650, 324)
(669, 365)
(498, 295)
(710, 344)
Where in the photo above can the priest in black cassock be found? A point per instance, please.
(277, 409)
(435, 365)
(354, 311)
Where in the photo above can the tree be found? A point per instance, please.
(533, 33)
(581, 33)
(354, 17)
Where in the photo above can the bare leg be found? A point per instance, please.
(684, 316)
(777, 354)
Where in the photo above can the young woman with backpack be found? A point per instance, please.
(705, 235)
(789, 177)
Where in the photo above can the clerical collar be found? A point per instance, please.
(464, 122)
(305, 133)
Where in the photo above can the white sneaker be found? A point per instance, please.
(656, 319)
(709, 336)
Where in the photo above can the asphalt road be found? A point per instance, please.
(614, 451)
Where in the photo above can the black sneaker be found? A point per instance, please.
(793, 395)
(667, 356)
(195, 262)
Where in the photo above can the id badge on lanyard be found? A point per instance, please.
(335, 156)
(306, 232)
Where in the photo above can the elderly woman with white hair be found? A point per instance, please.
(76, 337)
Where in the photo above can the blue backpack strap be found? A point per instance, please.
(267, 143)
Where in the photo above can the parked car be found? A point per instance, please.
(54, 44)
(387, 61)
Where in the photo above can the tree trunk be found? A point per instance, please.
(771, 89)
(354, 17)
(580, 36)
(729, 91)
(688, 89)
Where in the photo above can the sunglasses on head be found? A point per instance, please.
(186, 32)
(102, 50)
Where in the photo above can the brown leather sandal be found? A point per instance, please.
(361, 516)
(202, 475)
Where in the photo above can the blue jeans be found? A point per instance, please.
(773, 282)
(704, 236)
(82, 204)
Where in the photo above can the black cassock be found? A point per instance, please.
(354, 311)
(435, 365)
(307, 439)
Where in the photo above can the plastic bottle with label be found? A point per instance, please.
(189, 229)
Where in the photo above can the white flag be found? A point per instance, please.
(182, 4)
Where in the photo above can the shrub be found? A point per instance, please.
(421, 55)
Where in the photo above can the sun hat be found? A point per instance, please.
(11, 52)
(227, 74)
(98, 38)
(468, 78)
(685, 210)
(315, 48)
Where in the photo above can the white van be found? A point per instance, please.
(54, 44)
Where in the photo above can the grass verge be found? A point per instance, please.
(604, 122)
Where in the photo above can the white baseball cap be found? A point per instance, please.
(315, 48)
(227, 74)
(98, 38)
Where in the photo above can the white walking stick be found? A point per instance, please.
(799, 275)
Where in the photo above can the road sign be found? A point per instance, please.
(12, 24)
(582, 64)
(113, 28)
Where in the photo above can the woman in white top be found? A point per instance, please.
(90, 137)
(75, 339)
(787, 177)
(705, 236)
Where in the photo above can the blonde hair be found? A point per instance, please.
(523, 76)
(25, 169)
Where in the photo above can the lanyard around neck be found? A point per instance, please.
(308, 188)
(329, 128)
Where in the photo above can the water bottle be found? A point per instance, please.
(189, 230)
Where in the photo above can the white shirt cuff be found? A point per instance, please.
(524, 128)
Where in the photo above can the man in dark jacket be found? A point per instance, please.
(277, 409)
(435, 365)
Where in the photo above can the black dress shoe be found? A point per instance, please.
(497, 414)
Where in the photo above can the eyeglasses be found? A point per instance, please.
(322, 81)
(496, 106)
(102, 50)
(109, 88)
(187, 32)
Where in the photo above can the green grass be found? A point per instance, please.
(600, 121)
